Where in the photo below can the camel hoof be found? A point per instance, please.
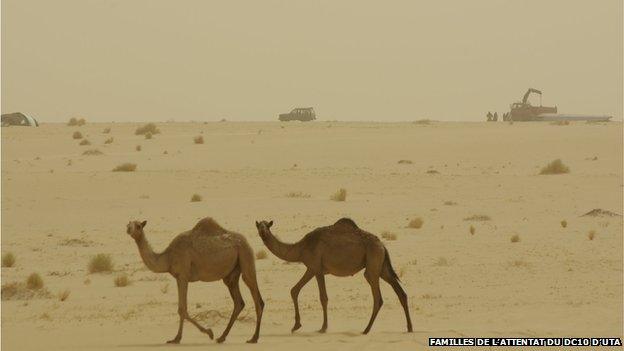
(221, 339)
(173, 341)
(209, 332)
(296, 327)
(322, 330)
(252, 341)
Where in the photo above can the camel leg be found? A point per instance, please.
(249, 277)
(231, 281)
(294, 292)
(373, 279)
(320, 279)
(182, 290)
(390, 279)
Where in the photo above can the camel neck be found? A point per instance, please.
(155, 262)
(285, 251)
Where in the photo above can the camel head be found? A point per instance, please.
(264, 229)
(135, 229)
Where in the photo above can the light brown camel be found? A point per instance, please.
(205, 253)
(341, 249)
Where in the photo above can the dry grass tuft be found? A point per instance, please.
(138, 148)
(106, 131)
(298, 194)
(147, 128)
(560, 123)
(121, 281)
(555, 167)
(196, 198)
(405, 162)
(261, 255)
(77, 135)
(441, 262)
(84, 142)
(340, 195)
(76, 122)
(473, 230)
(100, 263)
(432, 171)
(8, 259)
(564, 223)
(93, 152)
(591, 235)
(416, 223)
(125, 167)
(388, 236)
(34, 282)
(64, 295)
(19, 291)
(515, 238)
(198, 139)
(450, 203)
(108, 141)
(480, 218)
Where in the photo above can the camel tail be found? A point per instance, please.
(389, 265)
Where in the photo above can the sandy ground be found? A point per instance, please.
(60, 208)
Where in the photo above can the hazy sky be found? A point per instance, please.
(135, 60)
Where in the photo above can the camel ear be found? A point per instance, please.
(270, 224)
(143, 224)
(257, 224)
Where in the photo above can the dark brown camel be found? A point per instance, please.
(341, 249)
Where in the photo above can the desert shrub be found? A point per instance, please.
(34, 282)
(64, 295)
(196, 198)
(93, 152)
(106, 131)
(108, 141)
(405, 162)
(198, 139)
(591, 235)
(19, 291)
(8, 259)
(147, 128)
(298, 194)
(138, 148)
(148, 135)
(84, 142)
(515, 238)
(478, 218)
(100, 263)
(261, 255)
(560, 123)
(121, 281)
(388, 236)
(472, 229)
(450, 203)
(76, 122)
(125, 167)
(340, 195)
(432, 171)
(564, 223)
(555, 167)
(77, 135)
(416, 223)
(441, 262)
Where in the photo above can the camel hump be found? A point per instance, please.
(346, 222)
(208, 226)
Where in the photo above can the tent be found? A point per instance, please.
(18, 119)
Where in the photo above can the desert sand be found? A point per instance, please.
(60, 208)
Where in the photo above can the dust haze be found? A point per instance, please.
(351, 60)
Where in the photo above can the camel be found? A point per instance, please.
(341, 249)
(205, 253)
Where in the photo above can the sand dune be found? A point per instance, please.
(61, 207)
